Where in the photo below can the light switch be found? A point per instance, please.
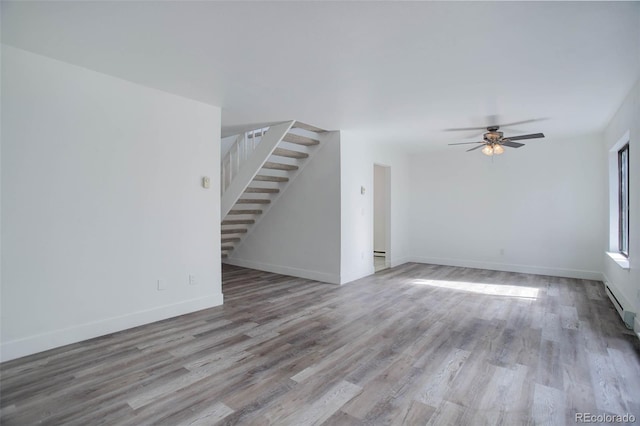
(362, 190)
(206, 182)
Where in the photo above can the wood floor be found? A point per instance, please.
(417, 344)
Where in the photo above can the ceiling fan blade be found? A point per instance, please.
(493, 121)
(462, 129)
(515, 123)
(531, 136)
(490, 120)
(475, 147)
(464, 143)
(512, 144)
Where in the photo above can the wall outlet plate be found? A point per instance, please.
(161, 285)
(206, 182)
(192, 280)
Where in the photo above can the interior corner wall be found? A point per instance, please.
(537, 209)
(627, 119)
(300, 233)
(101, 198)
(357, 157)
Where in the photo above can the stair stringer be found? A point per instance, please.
(252, 166)
(274, 199)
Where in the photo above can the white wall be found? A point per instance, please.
(101, 197)
(541, 204)
(300, 233)
(627, 119)
(358, 156)
(379, 208)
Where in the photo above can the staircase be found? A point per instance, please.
(256, 170)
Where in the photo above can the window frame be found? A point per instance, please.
(623, 200)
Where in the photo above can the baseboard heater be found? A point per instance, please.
(626, 315)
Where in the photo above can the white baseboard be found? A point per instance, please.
(507, 267)
(42, 342)
(401, 261)
(389, 263)
(349, 277)
(286, 270)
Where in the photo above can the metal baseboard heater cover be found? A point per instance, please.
(626, 315)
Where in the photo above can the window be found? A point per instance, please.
(623, 200)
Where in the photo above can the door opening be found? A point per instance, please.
(381, 217)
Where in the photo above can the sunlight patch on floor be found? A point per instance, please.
(481, 288)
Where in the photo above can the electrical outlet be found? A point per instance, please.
(161, 285)
(192, 280)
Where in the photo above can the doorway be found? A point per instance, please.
(381, 217)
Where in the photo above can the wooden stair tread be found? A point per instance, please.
(252, 201)
(300, 140)
(238, 222)
(281, 152)
(234, 231)
(262, 190)
(265, 178)
(244, 211)
(227, 242)
(230, 239)
(308, 127)
(279, 166)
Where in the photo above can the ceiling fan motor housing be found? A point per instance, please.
(493, 136)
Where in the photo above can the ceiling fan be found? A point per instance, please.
(494, 141)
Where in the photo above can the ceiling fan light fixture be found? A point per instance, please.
(493, 141)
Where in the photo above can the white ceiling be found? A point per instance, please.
(399, 72)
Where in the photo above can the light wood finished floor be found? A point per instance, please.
(416, 344)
